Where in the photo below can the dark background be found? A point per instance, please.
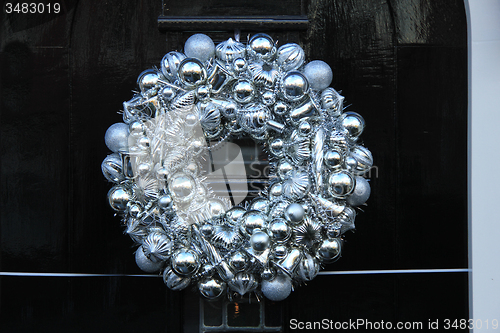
(402, 64)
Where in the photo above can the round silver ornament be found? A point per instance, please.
(285, 169)
(329, 250)
(260, 204)
(239, 261)
(116, 138)
(158, 245)
(118, 197)
(251, 220)
(147, 80)
(259, 241)
(170, 64)
(263, 74)
(240, 65)
(281, 108)
(199, 46)
(363, 158)
(308, 268)
(276, 147)
(243, 91)
(185, 262)
(280, 251)
(280, 230)
(145, 263)
(203, 93)
(361, 192)
(112, 168)
(319, 74)
(297, 185)
(165, 201)
(333, 159)
(211, 288)
(254, 118)
(294, 86)
(192, 72)
(353, 124)
(276, 190)
(174, 281)
(234, 214)
(295, 213)
(261, 46)
(182, 187)
(268, 97)
(331, 100)
(230, 50)
(341, 184)
(278, 288)
(290, 56)
(243, 283)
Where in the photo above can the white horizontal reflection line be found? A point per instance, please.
(397, 271)
(387, 271)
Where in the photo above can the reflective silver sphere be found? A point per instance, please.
(285, 169)
(234, 214)
(240, 65)
(119, 197)
(290, 56)
(341, 184)
(276, 147)
(165, 201)
(174, 281)
(353, 124)
(275, 190)
(295, 213)
(211, 288)
(243, 283)
(170, 64)
(230, 50)
(319, 74)
(112, 168)
(294, 86)
(243, 91)
(147, 80)
(280, 230)
(260, 241)
(329, 250)
(239, 261)
(268, 98)
(199, 46)
(333, 159)
(251, 220)
(262, 46)
(182, 187)
(116, 138)
(185, 262)
(281, 108)
(364, 159)
(192, 72)
(308, 268)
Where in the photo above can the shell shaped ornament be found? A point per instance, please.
(188, 112)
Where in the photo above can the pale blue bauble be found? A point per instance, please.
(319, 74)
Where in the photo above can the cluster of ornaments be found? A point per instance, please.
(192, 105)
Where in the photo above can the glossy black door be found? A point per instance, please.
(401, 64)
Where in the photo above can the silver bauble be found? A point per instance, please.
(308, 233)
(170, 64)
(280, 230)
(268, 97)
(240, 65)
(211, 288)
(174, 281)
(165, 201)
(112, 168)
(295, 213)
(239, 261)
(168, 93)
(281, 108)
(333, 159)
(243, 283)
(276, 147)
(203, 92)
(268, 273)
(119, 197)
(192, 72)
(210, 117)
(261, 46)
(260, 241)
(361, 192)
(297, 185)
(276, 190)
(353, 124)
(294, 86)
(225, 235)
(305, 128)
(207, 230)
(319, 74)
(308, 268)
(346, 219)
(363, 157)
(182, 187)
(285, 169)
(332, 100)
(185, 262)
(116, 138)
(280, 251)
(199, 46)
(263, 74)
(329, 250)
(234, 214)
(260, 204)
(253, 118)
(290, 56)
(147, 80)
(158, 245)
(278, 288)
(341, 184)
(243, 91)
(230, 50)
(145, 263)
(253, 219)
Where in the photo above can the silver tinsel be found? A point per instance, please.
(185, 113)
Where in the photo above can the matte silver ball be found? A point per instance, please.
(170, 64)
(361, 192)
(294, 86)
(341, 184)
(329, 250)
(182, 187)
(260, 241)
(239, 261)
(112, 168)
(280, 230)
(295, 213)
(244, 91)
(147, 80)
(192, 72)
(278, 288)
(211, 288)
(145, 263)
(290, 56)
(119, 197)
(319, 74)
(165, 201)
(174, 281)
(353, 124)
(262, 46)
(251, 220)
(199, 46)
(185, 262)
(116, 138)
